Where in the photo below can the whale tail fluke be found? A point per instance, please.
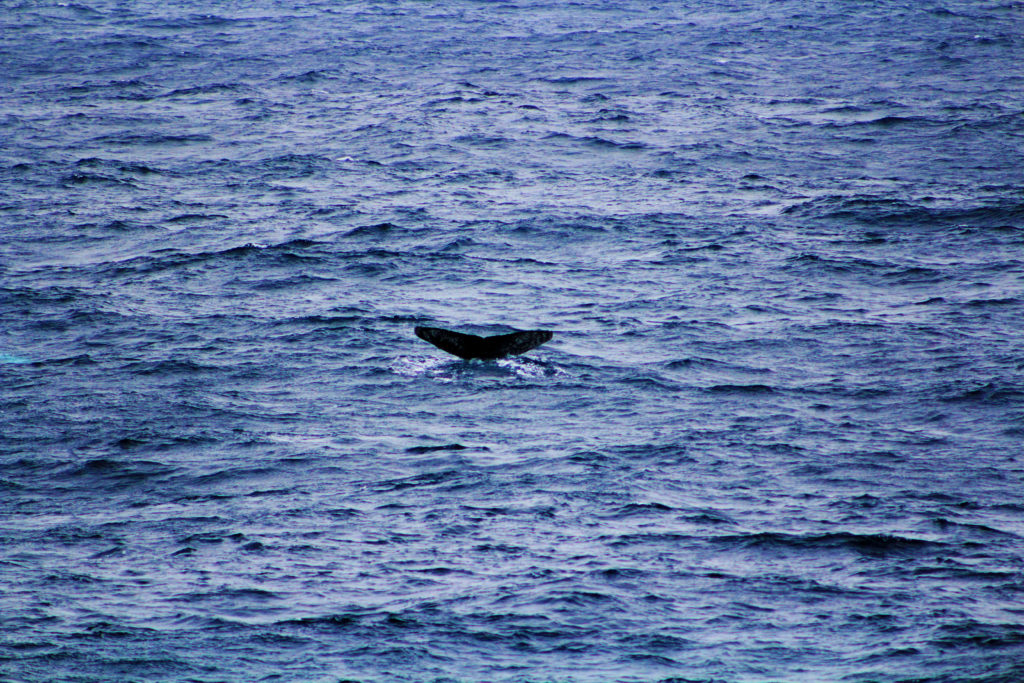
(473, 346)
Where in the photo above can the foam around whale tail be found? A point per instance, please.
(473, 346)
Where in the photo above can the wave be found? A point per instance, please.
(194, 218)
(308, 77)
(970, 634)
(376, 230)
(117, 473)
(133, 89)
(872, 545)
(170, 367)
(289, 253)
(886, 211)
(595, 142)
(988, 393)
(290, 166)
(79, 178)
(419, 450)
(208, 89)
(889, 121)
(1005, 301)
(140, 139)
(741, 389)
(573, 80)
(447, 479)
(120, 165)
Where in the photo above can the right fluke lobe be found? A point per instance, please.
(474, 346)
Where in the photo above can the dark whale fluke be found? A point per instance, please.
(473, 346)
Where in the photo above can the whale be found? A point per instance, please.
(469, 346)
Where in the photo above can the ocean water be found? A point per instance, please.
(776, 437)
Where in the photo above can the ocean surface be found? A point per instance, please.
(777, 435)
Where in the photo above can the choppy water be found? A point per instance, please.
(777, 434)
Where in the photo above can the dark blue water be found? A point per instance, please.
(777, 435)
